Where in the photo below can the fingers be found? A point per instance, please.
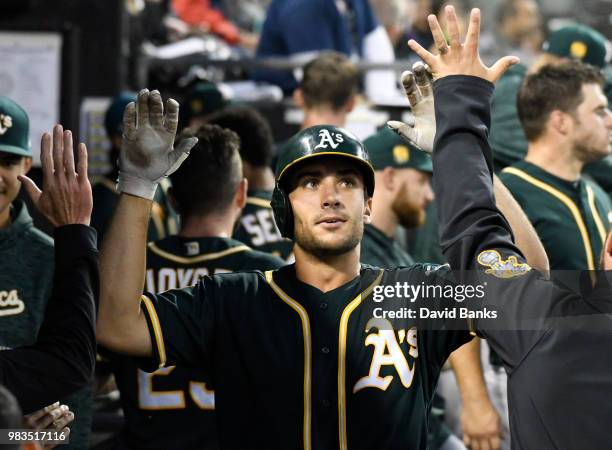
(453, 27)
(438, 34)
(405, 131)
(129, 121)
(142, 108)
(473, 33)
(156, 109)
(36, 415)
(46, 158)
(63, 420)
(410, 88)
(495, 442)
(82, 164)
(423, 54)
(58, 150)
(422, 78)
(502, 64)
(68, 158)
(171, 119)
(181, 153)
(30, 188)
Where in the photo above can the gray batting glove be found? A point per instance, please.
(147, 151)
(420, 128)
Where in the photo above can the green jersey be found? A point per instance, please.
(294, 367)
(571, 219)
(506, 136)
(257, 228)
(174, 406)
(26, 279)
(378, 249)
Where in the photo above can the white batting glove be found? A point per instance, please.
(420, 129)
(147, 152)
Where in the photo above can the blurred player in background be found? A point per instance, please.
(256, 226)
(174, 406)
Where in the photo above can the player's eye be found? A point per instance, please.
(348, 182)
(309, 183)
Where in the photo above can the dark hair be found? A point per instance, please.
(256, 141)
(553, 87)
(329, 79)
(207, 180)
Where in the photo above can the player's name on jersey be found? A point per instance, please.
(432, 313)
(176, 278)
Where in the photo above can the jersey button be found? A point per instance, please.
(326, 403)
(323, 305)
(325, 350)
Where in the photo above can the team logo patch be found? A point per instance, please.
(578, 49)
(502, 268)
(6, 122)
(328, 139)
(401, 154)
(10, 303)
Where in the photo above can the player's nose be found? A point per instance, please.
(330, 194)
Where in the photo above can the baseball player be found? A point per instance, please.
(256, 226)
(174, 406)
(298, 357)
(26, 267)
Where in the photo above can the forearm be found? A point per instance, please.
(525, 236)
(63, 357)
(121, 326)
(465, 362)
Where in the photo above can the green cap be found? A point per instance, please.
(205, 98)
(387, 149)
(14, 128)
(578, 42)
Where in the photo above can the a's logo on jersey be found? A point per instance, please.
(401, 154)
(578, 49)
(387, 352)
(502, 268)
(6, 122)
(329, 139)
(10, 303)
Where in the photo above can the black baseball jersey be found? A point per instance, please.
(295, 368)
(173, 408)
(555, 344)
(257, 229)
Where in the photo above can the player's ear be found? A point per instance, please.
(388, 178)
(367, 211)
(298, 98)
(241, 193)
(350, 105)
(561, 122)
(27, 165)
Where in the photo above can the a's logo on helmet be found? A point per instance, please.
(6, 122)
(329, 140)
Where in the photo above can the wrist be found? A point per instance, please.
(136, 186)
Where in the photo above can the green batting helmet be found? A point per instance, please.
(317, 141)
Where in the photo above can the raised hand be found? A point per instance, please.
(147, 152)
(421, 127)
(67, 197)
(455, 58)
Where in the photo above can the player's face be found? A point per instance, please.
(592, 133)
(11, 166)
(329, 207)
(414, 195)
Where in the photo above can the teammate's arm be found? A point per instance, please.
(147, 156)
(525, 235)
(480, 422)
